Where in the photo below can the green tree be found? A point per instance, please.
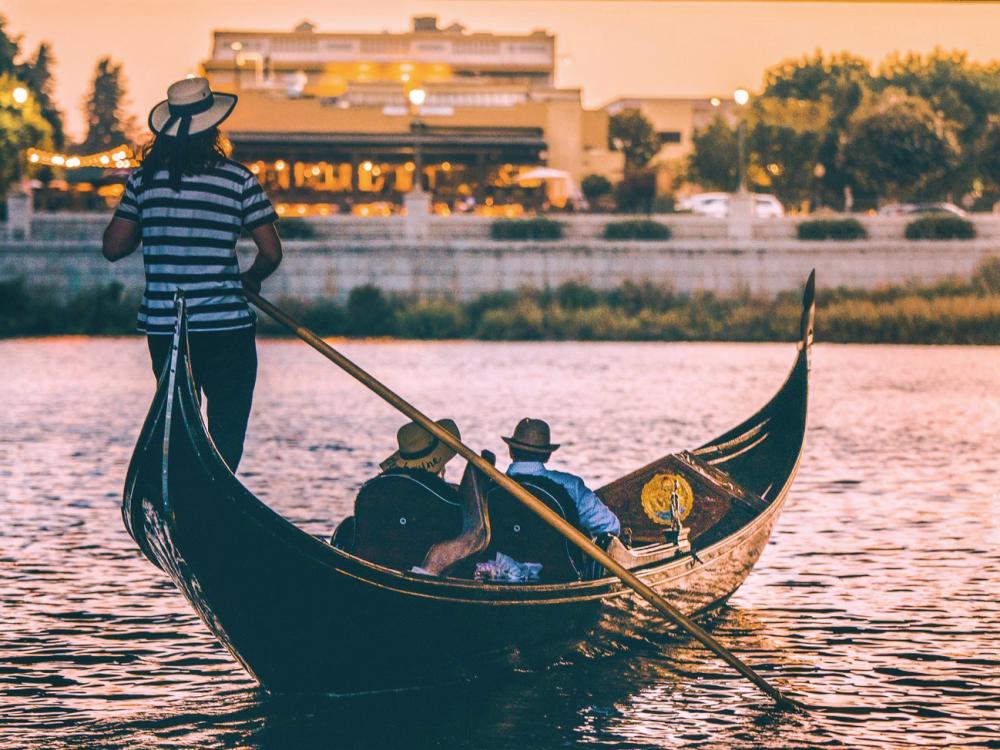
(841, 80)
(897, 146)
(37, 74)
(21, 126)
(714, 160)
(989, 154)
(595, 186)
(631, 132)
(961, 91)
(10, 50)
(107, 122)
(784, 140)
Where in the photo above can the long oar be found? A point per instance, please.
(547, 514)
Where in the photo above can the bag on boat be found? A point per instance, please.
(506, 569)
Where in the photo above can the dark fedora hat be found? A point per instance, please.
(532, 435)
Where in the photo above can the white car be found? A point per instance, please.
(716, 205)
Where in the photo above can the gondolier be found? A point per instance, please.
(187, 204)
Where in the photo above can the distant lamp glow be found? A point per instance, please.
(119, 156)
(73, 161)
(446, 166)
(280, 165)
(367, 166)
(33, 158)
(20, 95)
(417, 97)
(58, 160)
(189, 76)
(741, 96)
(715, 101)
(409, 166)
(104, 159)
(236, 46)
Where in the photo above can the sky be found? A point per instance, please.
(609, 48)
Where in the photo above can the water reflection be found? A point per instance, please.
(878, 597)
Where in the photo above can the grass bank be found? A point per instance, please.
(958, 311)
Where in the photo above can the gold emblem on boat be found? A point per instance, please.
(664, 492)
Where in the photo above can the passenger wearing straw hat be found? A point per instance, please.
(531, 447)
(187, 204)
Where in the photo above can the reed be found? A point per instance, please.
(954, 311)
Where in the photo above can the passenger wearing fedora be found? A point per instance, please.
(187, 204)
(530, 449)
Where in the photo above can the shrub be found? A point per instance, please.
(636, 229)
(432, 319)
(986, 277)
(576, 296)
(296, 229)
(636, 193)
(595, 186)
(831, 229)
(526, 229)
(369, 312)
(940, 227)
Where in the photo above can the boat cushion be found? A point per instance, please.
(401, 513)
(519, 533)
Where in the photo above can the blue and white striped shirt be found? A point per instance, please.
(189, 243)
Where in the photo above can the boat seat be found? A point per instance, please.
(522, 535)
(400, 514)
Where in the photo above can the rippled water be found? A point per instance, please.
(878, 596)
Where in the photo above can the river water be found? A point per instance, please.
(878, 597)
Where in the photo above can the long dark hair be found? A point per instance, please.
(204, 151)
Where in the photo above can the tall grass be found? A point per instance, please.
(954, 311)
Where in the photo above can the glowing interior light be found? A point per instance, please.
(73, 161)
(280, 164)
(105, 159)
(417, 97)
(367, 166)
(58, 160)
(33, 158)
(119, 155)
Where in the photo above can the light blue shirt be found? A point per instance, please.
(595, 517)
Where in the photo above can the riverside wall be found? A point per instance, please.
(460, 261)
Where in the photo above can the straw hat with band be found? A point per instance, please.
(191, 107)
(532, 436)
(418, 449)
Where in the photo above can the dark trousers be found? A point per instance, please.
(224, 364)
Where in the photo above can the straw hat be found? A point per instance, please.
(532, 435)
(418, 449)
(193, 101)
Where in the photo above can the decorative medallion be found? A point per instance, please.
(662, 493)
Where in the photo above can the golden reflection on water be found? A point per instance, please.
(878, 597)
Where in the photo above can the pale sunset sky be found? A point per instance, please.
(608, 48)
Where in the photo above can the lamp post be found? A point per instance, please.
(741, 97)
(417, 97)
(19, 202)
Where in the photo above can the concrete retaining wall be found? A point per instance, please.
(465, 269)
(82, 227)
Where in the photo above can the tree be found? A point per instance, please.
(897, 145)
(10, 50)
(37, 75)
(107, 123)
(842, 81)
(961, 91)
(21, 126)
(632, 133)
(784, 141)
(989, 154)
(714, 160)
(595, 186)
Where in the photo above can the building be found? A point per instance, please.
(675, 120)
(346, 121)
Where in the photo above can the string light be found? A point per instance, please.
(121, 157)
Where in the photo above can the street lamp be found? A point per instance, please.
(20, 95)
(417, 97)
(741, 96)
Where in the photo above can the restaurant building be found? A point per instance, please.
(335, 122)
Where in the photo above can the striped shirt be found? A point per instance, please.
(189, 244)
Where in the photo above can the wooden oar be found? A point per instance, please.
(547, 514)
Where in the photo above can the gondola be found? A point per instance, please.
(302, 615)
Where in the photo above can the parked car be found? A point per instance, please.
(716, 205)
(908, 209)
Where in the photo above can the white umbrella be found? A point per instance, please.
(546, 174)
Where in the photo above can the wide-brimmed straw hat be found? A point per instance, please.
(532, 435)
(192, 102)
(418, 449)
